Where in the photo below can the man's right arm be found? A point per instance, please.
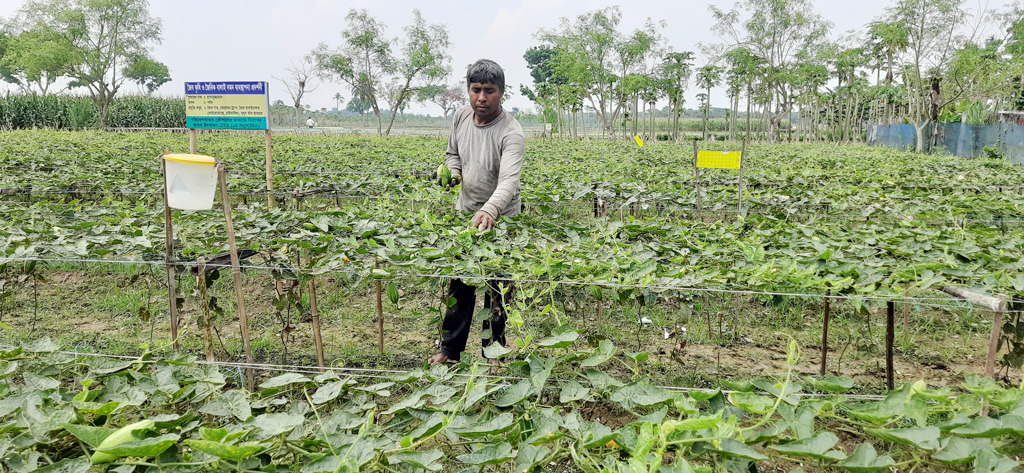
(454, 161)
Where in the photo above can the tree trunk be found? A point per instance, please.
(747, 133)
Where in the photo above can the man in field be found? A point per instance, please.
(485, 154)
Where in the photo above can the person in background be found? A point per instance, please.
(310, 123)
(485, 155)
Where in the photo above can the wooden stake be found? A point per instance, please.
(824, 332)
(993, 342)
(315, 314)
(696, 171)
(191, 141)
(743, 152)
(600, 315)
(890, 335)
(172, 293)
(205, 304)
(270, 173)
(380, 317)
(236, 270)
(906, 312)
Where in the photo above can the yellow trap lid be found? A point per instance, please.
(191, 158)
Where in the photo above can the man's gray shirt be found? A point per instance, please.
(489, 158)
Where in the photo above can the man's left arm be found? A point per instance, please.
(512, 149)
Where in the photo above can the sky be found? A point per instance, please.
(252, 40)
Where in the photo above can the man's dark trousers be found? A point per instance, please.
(458, 319)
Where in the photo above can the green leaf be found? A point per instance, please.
(741, 385)
(819, 446)
(496, 425)
(101, 366)
(530, 456)
(692, 423)
(284, 380)
(422, 460)
(735, 448)
(329, 391)
(985, 427)
(866, 460)
(573, 391)
(751, 402)
(92, 436)
(515, 394)
(223, 450)
(990, 461)
(600, 380)
(67, 465)
(598, 435)
(215, 435)
(491, 454)
(275, 424)
(958, 450)
(701, 395)
(604, 352)
(835, 384)
(641, 394)
(495, 350)
(149, 447)
(639, 357)
(230, 403)
(561, 337)
(926, 438)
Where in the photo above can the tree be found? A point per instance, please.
(33, 60)
(708, 77)
(676, 69)
(299, 81)
(448, 98)
(777, 32)
(337, 100)
(361, 61)
(102, 36)
(148, 73)
(890, 38)
(424, 62)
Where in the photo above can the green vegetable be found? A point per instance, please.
(444, 174)
(122, 435)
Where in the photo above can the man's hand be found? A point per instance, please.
(456, 180)
(482, 221)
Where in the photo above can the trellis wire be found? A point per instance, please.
(387, 374)
(477, 278)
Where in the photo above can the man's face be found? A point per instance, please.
(485, 99)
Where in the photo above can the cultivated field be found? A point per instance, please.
(653, 330)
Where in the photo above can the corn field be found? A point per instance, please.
(62, 112)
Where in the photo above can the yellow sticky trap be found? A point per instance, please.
(718, 159)
(639, 141)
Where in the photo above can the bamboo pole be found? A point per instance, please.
(380, 316)
(172, 295)
(192, 141)
(743, 155)
(315, 314)
(824, 332)
(236, 270)
(270, 172)
(205, 304)
(890, 335)
(696, 171)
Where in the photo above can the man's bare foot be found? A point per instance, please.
(437, 358)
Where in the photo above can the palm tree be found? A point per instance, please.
(337, 100)
(891, 38)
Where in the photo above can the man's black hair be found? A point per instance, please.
(486, 71)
